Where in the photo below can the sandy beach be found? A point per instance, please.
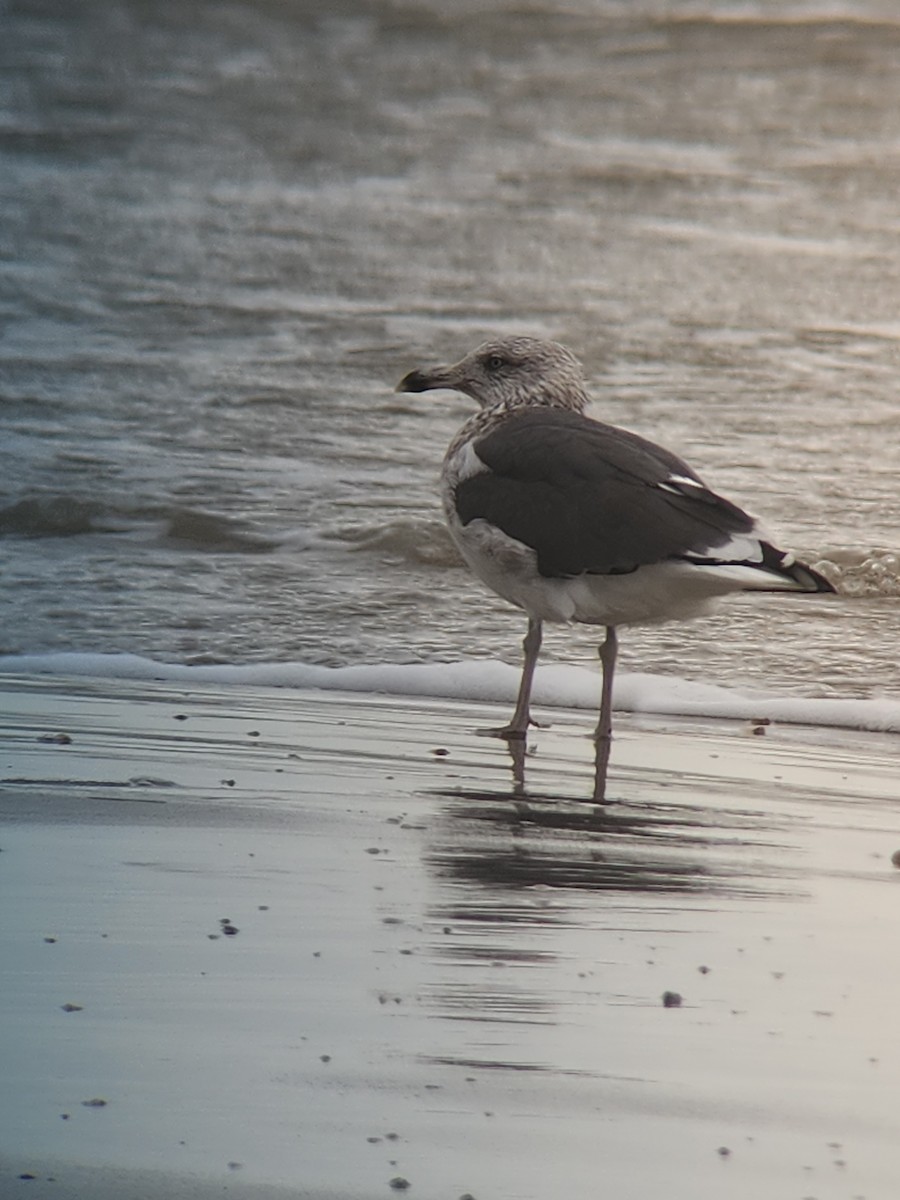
(260, 942)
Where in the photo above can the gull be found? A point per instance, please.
(571, 519)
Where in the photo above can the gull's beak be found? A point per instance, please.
(415, 381)
(426, 380)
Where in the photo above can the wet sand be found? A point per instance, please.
(324, 945)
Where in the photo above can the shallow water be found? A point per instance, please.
(228, 230)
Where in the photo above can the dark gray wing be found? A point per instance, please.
(589, 497)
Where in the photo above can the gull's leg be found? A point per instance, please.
(603, 732)
(517, 751)
(518, 725)
(531, 647)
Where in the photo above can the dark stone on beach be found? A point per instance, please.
(72, 1008)
(229, 930)
(97, 1102)
(399, 1184)
(56, 739)
(895, 859)
(671, 1000)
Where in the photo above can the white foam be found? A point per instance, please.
(555, 685)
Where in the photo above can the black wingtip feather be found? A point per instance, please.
(807, 578)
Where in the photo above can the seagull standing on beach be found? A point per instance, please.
(574, 520)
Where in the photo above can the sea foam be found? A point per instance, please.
(555, 685)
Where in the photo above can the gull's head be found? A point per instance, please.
(509, 373)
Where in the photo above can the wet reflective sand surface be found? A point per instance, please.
(322, 942)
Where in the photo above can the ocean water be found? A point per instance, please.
(229, 229)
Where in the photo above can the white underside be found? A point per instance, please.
(659, 592)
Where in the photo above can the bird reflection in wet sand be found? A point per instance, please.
(531, 828)
(574, 520)
(649, 847)
(518, 754)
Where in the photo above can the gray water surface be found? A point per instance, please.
(228, 230)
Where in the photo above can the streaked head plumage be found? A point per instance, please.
(509, 372)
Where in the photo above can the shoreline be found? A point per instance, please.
(557, 686)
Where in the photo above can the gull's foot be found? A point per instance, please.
(506, 732)
(512, 733)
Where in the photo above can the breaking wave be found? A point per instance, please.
(73, 516)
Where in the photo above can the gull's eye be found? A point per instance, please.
(495, 362)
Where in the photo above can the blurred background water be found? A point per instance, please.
(229, 228)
